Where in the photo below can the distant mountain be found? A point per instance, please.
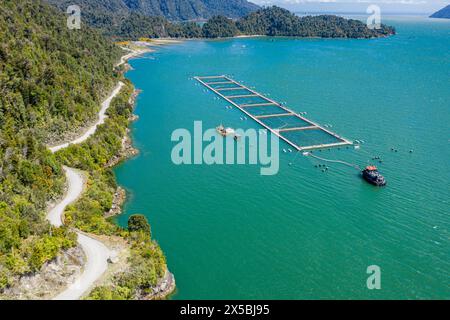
(443, 13)
(174, 10)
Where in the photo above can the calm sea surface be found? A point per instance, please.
(230, 233)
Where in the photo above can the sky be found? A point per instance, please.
(359, 6)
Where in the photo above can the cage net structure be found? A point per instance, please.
(298, 131)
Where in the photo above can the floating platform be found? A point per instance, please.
(296, 130)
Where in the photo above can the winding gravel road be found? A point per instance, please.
(74, 190)
(96, 253)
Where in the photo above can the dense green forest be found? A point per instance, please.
(270, 21)
(110, 12)
(275, 21)
(219, 27)
(53, 80)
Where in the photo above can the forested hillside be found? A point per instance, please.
(269, 21)
(174, 10)
(52, 79)
(191, 9)
(275, 21)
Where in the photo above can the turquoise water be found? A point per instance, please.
(230, 233)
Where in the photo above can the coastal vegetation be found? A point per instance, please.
(220, 27)
(268, 21)
(148, 266)
(138, 223)
(147, 261)
(52, 81)
(92, 156)
(275, 21)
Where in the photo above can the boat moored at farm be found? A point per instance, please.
(371, 175)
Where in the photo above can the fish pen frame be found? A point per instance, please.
(224, 80)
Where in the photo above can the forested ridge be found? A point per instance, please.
(275, 21)
(269, 21)
(52, 80)
(110, 12)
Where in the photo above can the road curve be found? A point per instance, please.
(74, 190)
(96, 253)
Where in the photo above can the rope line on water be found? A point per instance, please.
(334, 161)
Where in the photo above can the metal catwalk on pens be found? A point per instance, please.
(298, 131)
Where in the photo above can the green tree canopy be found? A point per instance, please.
(138, 223)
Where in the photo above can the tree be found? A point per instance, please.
(220, 27)
(139, 223)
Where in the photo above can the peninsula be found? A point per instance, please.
(444, 13)
(268, 21)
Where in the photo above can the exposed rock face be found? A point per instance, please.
(118, 200)
(163, 289)
(54, 277)
(127, 150)
(133, 98)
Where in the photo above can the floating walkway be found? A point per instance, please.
(298, 131)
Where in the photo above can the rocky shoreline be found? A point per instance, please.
(118, 200)
(167, 285)
(163, 289)
(127, 151)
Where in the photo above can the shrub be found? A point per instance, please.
(139, 223)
